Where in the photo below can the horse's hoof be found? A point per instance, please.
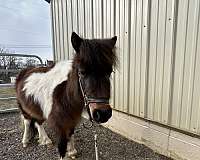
(72, 154)
(25, 145)
(73, 157)
(47, 142)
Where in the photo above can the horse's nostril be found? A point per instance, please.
(97, 115)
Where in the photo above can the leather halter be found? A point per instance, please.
(88, 100)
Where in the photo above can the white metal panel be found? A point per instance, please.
(179, 62)
(195, 118)
(97, 18)
(53, 33)
(132, 87)
(81, 18)
(57, 30)
(152, 58)
(157, 47)
(138, 56)
(88, 19)
(143, 62)
(168, 55)
(75, 15)
(69, 27)
(188, 77)
(65, 29)
(121, 52)
(99, 10)
(60, 21)
(118, 89)
(159, 59)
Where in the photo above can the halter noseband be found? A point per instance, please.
(88, 100)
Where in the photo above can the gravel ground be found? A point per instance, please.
(111, 146)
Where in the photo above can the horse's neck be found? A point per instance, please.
(73, 90)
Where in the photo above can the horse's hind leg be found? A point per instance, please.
(26, 135)
(43, 137)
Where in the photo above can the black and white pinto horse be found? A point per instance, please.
(59, 93)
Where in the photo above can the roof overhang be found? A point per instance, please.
(48, 1)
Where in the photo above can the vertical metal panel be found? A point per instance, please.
(167, 64)
(53, 33)
(179, 62)
(60, 21)
(158, 50)
(81, 17)
(88, 19)
(160, 60)
(132, 87)
(97, 18)
(143, 62)
(57, 30)
(65, 29)
(195, 118)
(75, 15)
(138, 56)
(116, 79)
(190, 54)
(69, 27)
(185, 65)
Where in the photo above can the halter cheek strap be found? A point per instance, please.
(88, 100)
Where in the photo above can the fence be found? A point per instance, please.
(7, 93)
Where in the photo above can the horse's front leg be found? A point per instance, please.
(62, 144)
(66, 143)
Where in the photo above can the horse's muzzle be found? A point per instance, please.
(101, 113)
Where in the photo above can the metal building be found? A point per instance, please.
(156, 89)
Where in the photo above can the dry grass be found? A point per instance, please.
(4, 93)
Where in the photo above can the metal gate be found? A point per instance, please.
(7, 97)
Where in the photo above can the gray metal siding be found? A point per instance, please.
(158, 77)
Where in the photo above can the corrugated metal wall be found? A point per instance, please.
(158, 47)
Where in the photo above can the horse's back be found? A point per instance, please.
(35, 86)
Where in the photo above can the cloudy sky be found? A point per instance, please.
(25, 27)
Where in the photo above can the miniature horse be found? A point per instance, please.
(59, 93)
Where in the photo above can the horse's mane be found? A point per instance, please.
(97, 55)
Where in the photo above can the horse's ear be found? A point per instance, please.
(76, 41)
(113, 41)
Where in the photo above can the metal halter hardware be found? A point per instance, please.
(88, 100)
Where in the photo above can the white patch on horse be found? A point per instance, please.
(42, 85)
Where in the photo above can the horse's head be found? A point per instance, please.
(94, 61)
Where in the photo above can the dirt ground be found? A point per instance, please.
(111, 146)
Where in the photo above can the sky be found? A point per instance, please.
(25, 27)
